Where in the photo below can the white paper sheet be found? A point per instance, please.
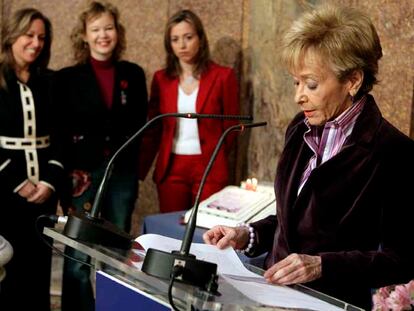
(227, 260)
(231, 268)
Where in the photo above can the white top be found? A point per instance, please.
(186, 139)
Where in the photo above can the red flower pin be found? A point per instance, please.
(124, 84)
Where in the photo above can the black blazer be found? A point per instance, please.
(91, 131)
(14, 164)
(354, 210)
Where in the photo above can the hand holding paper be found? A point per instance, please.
(231, 269)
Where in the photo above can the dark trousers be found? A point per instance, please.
(118, 205)
(27, 282)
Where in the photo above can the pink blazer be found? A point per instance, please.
(217, 94)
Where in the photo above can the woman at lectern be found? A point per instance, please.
(102, 102)
(31, 170)
(190, 82)
(343, 200)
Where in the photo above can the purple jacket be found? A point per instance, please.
(355, 210)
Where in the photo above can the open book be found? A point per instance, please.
(233, 205)
(230, 267)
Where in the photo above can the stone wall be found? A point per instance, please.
(245, 35)
(144, 21)
(271, 93)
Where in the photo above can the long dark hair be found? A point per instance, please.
(12, 29)
(173, 68)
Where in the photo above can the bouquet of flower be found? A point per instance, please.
(395, 298)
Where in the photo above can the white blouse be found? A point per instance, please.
(186, 139)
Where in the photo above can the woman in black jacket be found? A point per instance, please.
(30, 166)
(103, 102)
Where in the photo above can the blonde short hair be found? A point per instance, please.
(94, 10)
(343, 36)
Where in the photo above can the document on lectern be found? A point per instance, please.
(230, 267)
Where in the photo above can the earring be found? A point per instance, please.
(351, 96)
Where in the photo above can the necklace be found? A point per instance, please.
(189, 80)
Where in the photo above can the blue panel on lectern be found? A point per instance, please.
(113, 295)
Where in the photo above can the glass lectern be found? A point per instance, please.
(121, 286)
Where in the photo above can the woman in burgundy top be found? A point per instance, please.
(103, 101)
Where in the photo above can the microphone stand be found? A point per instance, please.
(89, 226)
(199, 273)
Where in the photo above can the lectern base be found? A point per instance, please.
(97, 231)
(199, 273)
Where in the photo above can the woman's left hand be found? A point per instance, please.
(40, 195)
(295, 268)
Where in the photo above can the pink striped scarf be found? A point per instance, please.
(333, 137)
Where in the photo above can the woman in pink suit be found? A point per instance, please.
(191, 82)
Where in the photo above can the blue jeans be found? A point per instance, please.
(117, 207)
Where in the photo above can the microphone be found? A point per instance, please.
(192, 271)
(89, 226)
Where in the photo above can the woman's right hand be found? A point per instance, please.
(37, 194)
(42, 193)
(223, 236)
(27, 190)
